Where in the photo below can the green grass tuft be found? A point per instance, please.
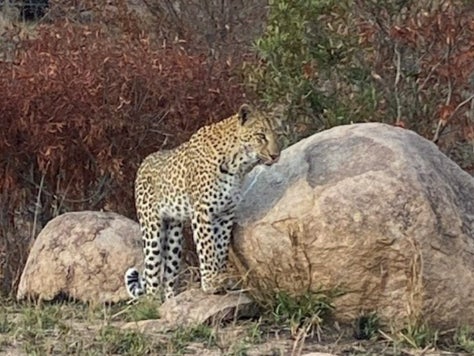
(145, 308)
(116, 341)
(464, 339)
(308, 310)
(366, 326)
(419, 336)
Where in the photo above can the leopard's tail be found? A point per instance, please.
(134, 283)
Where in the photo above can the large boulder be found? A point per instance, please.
(372, 210)
(82, 255)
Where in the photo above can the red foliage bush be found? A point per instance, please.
(422, 56)
(79, 110)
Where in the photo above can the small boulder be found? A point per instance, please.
(194, 307)
(82, 255)
(374, 211)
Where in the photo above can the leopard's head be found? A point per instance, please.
(257, 136)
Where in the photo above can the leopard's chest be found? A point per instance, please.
(227, 194)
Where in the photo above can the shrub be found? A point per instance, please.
(308, 60)
(405, 63)
(80, 108)
(421, 60)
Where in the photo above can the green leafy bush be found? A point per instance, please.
(308, 58)
(405, 63)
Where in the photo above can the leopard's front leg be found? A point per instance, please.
(222, 231)
(202, 223)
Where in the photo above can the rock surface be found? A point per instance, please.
(373, 210)
(82, 255)
(194, 307)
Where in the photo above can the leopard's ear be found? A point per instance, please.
(244, 113)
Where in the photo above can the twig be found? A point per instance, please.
(300, 339)
(37, 208)
(101, 184)
(450, 83)
(443, 123)
(460, 105)
(428, 77)
(130, 303)
(438, 131)
(397, 81)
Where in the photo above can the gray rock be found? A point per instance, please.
(82, 255)
(370, 209)
(194, 307)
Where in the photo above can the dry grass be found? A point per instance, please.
(73, 328)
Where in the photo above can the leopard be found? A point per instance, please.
(199, 181)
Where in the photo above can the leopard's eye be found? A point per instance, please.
(261, 136)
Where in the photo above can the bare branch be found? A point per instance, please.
(37, 208)
(443, 123)
(398, 59)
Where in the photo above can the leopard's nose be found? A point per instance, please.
(273, 159)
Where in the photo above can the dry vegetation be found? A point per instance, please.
(89, 90)
(405, 63)
(290, 328)
(81, 106)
